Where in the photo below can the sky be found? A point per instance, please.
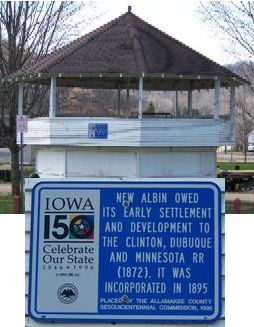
(178, 18)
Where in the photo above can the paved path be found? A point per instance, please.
(245, 197)
(236, 157)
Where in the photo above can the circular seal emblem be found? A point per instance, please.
(82, 227)
(67, 293)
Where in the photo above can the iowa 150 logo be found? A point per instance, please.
(71, 218)
(69, 226)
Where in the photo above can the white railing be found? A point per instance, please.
(131, 132)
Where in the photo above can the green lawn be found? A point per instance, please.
(5, 204)
(245, 209)
(28, 170)
(233, 165)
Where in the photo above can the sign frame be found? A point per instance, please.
(97, 185)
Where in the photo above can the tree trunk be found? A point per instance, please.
(15, 176)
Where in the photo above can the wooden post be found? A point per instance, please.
(217, 100)
(16, 204)
(189, 103)
(52, 100)
(140, 98)
(237, 206)
(232, 104)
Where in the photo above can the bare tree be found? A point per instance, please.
(28, 31)
(244, 125)
(235, 19)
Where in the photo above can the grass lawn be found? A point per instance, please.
(232, 165)
(245, 208)
(5, 204)
(28, 170)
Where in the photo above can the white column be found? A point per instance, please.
(189, 103)
(128, 98)
(52, 100)
(21, 98)
(217, 100)
(140, 98)
(118, 100)
(176, 105)
(232, 103)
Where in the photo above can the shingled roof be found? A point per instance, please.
(128, 45)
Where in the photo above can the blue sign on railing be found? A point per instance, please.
(125, 251)
(97, 131)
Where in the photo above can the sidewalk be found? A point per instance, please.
(5, 188)
(244, 197)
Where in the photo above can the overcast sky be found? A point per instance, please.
(178, 18)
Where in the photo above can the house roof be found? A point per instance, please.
(129, 46)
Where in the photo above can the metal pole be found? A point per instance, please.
(20, 112)
(244, 125)
(21, 173)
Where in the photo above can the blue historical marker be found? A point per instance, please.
(125, 251)
(97, 131)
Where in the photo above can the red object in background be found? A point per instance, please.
(237, 206)
(16, 204)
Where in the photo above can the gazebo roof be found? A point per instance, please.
(128, 46)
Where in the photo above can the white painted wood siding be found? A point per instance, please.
(52, 163)
(129, 162)
(177, 164)
(31, 323)
(131, 132)
(101, 164)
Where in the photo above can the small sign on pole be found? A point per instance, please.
(22, 123)
(125, 251)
